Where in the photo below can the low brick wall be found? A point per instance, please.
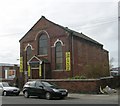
(112, 82)
(86, 85)
(77, 85)
(80, 85)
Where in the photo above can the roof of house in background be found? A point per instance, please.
(116, 69)
(7, 64)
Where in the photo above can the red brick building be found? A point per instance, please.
(49, 50)
(9, 71)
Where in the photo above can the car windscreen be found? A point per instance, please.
(5, 84)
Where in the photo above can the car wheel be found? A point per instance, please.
(62, 97)
(48, 96)
(26, 95)
(4, 93)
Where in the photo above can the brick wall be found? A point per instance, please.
(77, 86)
(80, 85)
(90, 60)
(85, 85)
(112, 82)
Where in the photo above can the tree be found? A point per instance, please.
(111, 63)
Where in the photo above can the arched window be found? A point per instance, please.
(29, 53)
(43, 45)
(58, 56)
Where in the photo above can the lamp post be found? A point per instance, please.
(18, 75)
(20, 78)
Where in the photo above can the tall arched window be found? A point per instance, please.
(29, 53)
(58, 56)
(43, 45)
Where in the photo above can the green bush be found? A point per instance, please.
(83, 77)
(78, 77)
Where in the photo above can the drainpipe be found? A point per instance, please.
(72, 56)
(44, 70)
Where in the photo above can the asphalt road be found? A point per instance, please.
(71, 99)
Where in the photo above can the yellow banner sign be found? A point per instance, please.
(29, 70)
(68, 66)
(21, 64)
(40, 70)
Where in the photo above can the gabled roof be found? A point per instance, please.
(36, 59)
(74, 33)
(39, 59)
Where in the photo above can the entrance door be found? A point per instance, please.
(35, 73)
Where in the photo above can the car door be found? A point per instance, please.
(39, 88)
(32, 89)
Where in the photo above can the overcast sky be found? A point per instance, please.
(97, 19)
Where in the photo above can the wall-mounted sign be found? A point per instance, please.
(68, 66)
(29, 69)
(21, 64)
(40, 70)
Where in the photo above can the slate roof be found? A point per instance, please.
(81, 35)
(7, 64)
(74, 33)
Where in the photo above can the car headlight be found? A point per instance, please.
(55, 90)
(66, 90)
(18, 89)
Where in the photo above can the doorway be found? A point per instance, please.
(35, 73)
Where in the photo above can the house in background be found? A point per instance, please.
(49, 50)
(9, 71)
(115, 71)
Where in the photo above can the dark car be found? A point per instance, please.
(43, 89)
(6, 89)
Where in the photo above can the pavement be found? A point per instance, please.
(73, 98)
(78, 95)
